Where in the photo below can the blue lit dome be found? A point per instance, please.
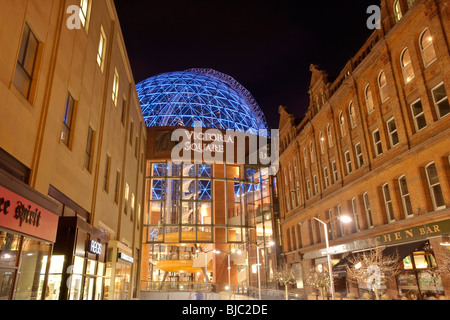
(213, 98)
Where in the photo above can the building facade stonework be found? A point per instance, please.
(374, 145)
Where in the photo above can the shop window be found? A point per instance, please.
(392, 132)
(407, 68)
(440, 100)
(26, 62)
(406, 199)
(418, 115)
(427, 48)
(435, 187)
(55, 277)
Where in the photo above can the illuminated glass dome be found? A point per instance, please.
(205, 95)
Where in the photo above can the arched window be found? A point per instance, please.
(397, 11)
(330, 136)
(342, 124)
(305, 158)
(382, 86)
(427, 48)
(311, 151)
(405, 61)
(352, 114)
(322, 142)
(369, 99)
(317, 104)
(410, 3)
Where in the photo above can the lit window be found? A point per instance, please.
(355, 214)
(427, 48)
(133, 203)
(368, 211)
(101, 49)
(285, 177)
(322, 142)
(435, 187)
(330, 136)
(342, 124)
(127, 195)
(26, 62)
(406, 199)
(418, 115)
(352, 114)
(392, 131)
(84, 6)
(359, 155)
(68, 119)
(305, 158)
(369, 99)
(115, 90)
(388, 203)
(383, 87)
(341, 225)
(348, 162)
(441, 100)
(407, 68)
(397, 11)
(377, 142)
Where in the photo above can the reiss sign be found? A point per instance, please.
(22, 215)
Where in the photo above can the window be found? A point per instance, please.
(84, 6)
(406, 200)
(326, 177)
(407, 69)
(124, 109)
(115, 90)
(305, 158)
(322, 142)
(359, 155)
(331, 227)
(133, 203)
(335, 172)
(136, 147)
(89, 147)
(383, 87)
(440, 99)
(101, 49)
(377, 142)
(355, 214)
(341, 225)
(116, 190)
(311, 151)
(106, 175)
(369, 99)
(290, 173)
(68, 120)
(427, 48)
(435, 187)
(316, 185)
(308, 187)
(418, 115)
(131, 133)
(410, 3)
(127, 195)
(26, 62)
(330, 136)
(348, 162)
(317, 104)
(397, 11)
(368, 211)
(285, 177)
(342, 124)
(388, 203)
(392, 131)
(352, 114)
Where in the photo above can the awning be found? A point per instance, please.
(340, 269)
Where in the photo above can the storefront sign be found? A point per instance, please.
(21, 215)
(125, 257)
(95, 247)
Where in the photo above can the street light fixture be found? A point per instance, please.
(270, 244)
(229, 268)
(344, 219)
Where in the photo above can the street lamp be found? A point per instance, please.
(344, 219)
(271, 243)
(229, 268)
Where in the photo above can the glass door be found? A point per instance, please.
(6, 282)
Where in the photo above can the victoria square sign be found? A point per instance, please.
(212, 146)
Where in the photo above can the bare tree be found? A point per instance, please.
(319, 279)
(373, 268)
(285, 275)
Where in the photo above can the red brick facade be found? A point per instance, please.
(374, 143)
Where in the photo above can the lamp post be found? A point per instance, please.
(271, 243)
(229, 268)
(344, 219)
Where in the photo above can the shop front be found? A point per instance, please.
(28, 225)
(121, 268)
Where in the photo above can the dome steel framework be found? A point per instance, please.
(205, 95)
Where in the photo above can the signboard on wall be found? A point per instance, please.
(23, 216)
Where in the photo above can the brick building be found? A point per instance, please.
(375, 145)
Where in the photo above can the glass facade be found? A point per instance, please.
(191, 209)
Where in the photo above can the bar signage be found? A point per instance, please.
(22, 215)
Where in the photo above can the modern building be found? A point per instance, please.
(72, 153)
(206, 221)
(374, 145)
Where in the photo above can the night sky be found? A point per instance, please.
(267, 46)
